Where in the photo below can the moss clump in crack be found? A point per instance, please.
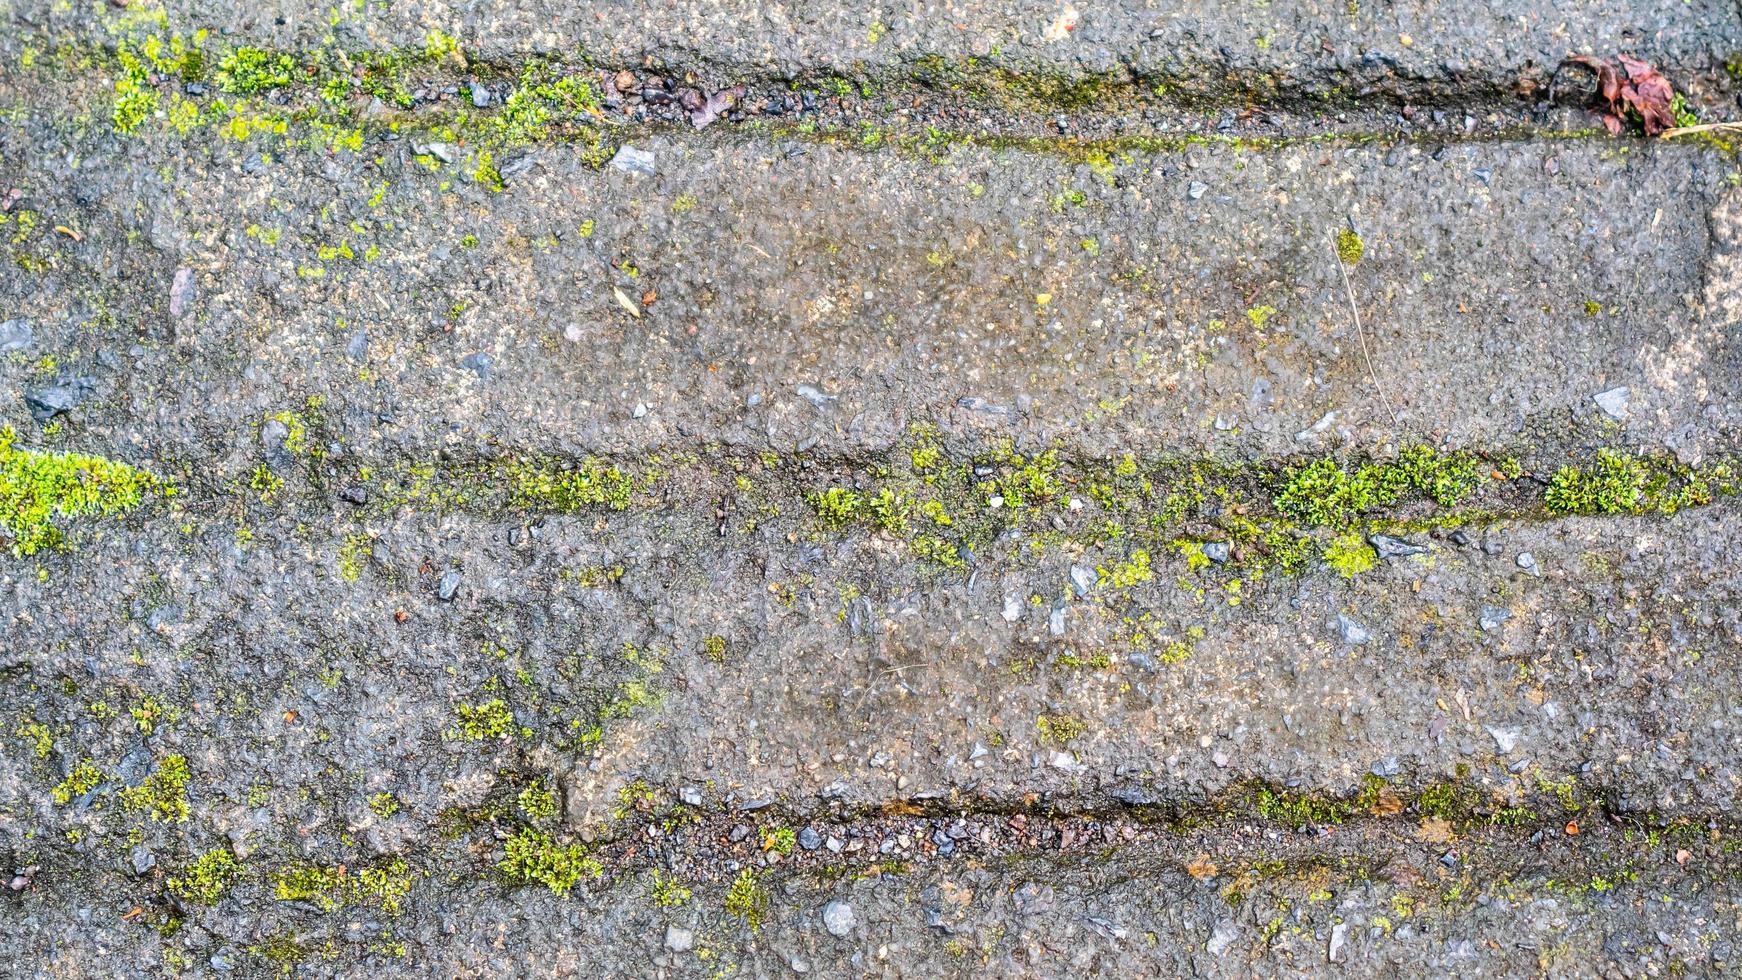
(930, 547)
(84, 778)
(135, 100)
(477, 722)
(1123, 575)
(589, 485)
(1453, 802)
(39, 489)
(544, 97)
(837, 507)
(134, 103)
(250, 71)
(1327, 493)
(888, 510)
(1029, 482)
(538, 801)
(748, 898)
(780, 840)
(668, 891)
(332, 887)
(1620, 484)
(1349, 555)
(163, 794)
(535, 857)
(209, 878)
(320, 886)
(1299, 810)
(384, 886)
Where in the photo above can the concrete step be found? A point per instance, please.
(994, 482)
(793, 295)
(1412, 51)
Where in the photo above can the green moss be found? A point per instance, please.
(1288, 551)
(39, 736)
(1027, 482)
(668, 891)
(38, 490)
(163, 794)
(748, 898)
(1296, 810)
(351, 555)
(534, 857)
(1060, 729)
(486, 175)
(925, 457)
(538, 801)
(1447, 479)
(888, 510)
(492, 719)
(282, 950)
(250, 71)
(714, 648)
(149, 712)
(1565, 791)
(264, 482)
(1174, 652)
(1193, 553)
(587, 486)
(1349, 555)
(384, 805)
(384, 886)
(780, 840)
(332, 887)
(1125, 574)
(836, 507)
(1350, 247)
(84, 778)
(134, 103)
(1454, 802)
(439, 44)
(321, 886)
(1620, 484)
(209, 878)
(1326, 493)
(936, 550)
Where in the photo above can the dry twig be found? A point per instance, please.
(1360, 334)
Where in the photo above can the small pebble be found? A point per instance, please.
(839, 918)
(449, 585)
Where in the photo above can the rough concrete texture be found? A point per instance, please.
(465, 514)
(1406, 49)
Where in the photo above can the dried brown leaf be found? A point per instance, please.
(1387, 804)
(1434, 830)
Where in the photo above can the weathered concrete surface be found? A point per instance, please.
(1176, 302)
(1336, 906)
(1107, 730)
(1402, 50)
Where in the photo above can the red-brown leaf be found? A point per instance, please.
(1649, 94)
(1643, 90)
(1608, 79)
